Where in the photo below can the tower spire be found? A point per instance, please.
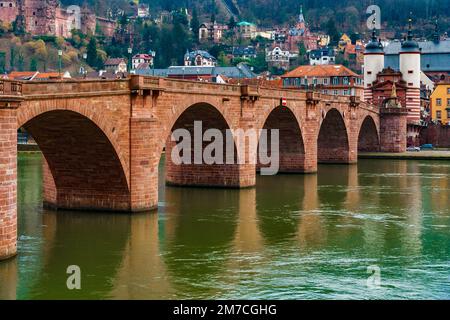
(410, 36)
(301, 17)
(374, 30)
(436, 35)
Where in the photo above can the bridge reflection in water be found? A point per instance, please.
(293, 236)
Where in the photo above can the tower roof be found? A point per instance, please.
(410, 45)
(301, 17)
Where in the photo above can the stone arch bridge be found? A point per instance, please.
(102, 141)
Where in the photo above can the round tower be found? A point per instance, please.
(410, 68)
(373, 63)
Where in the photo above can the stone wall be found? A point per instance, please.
(437, 135)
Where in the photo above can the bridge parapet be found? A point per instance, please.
(183, 86)
(10, 94)
(10, 88)
(74, 87)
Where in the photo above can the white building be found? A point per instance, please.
(279, 58)
(320, 57)
(116, 65)
(199, 58)
(141, 59)
(143, 11)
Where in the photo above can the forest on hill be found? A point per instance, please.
(350, 15)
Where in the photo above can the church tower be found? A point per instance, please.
(410, 68)
(373, 63)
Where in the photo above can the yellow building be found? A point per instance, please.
(344, 41)
(440, 103)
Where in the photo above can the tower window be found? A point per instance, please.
(369, 72)
(410, 71)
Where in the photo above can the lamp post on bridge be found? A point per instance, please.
(84, 65)
(60, 53)
(130, 52)
(153, 55)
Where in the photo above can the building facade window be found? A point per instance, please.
(438, 114)
(335, 80)
(438, 102)
(448, 102)
(345, 80)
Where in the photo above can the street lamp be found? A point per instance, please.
(239, 71)
(84, 61)
(60, 53)
(130, 51)
(153, 54)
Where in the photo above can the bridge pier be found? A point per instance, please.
(8, 180)
(205, 175)
(144, 162)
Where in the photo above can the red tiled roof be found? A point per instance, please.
(48, 75)
(22, 74)
(114, 61)
(320, 71)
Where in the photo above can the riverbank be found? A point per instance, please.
(423, 155)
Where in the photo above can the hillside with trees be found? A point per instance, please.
(349, 15)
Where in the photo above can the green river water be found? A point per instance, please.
(291, 237)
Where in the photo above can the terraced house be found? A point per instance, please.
(440, 103)
(327, 79)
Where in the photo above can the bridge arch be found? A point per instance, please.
(82, 169)
(291, 151)
(368, 136)
(194, 170)
(333, 140)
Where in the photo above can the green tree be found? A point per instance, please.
(232, 23)
(20, 62)
(195, 24)
(33, 64)
(222, 60)
(12, 58)
(259, 63)
(302, 54)
(2, 62)
(92, 56)
(332, 31)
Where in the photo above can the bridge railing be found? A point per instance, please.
(10, 88)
